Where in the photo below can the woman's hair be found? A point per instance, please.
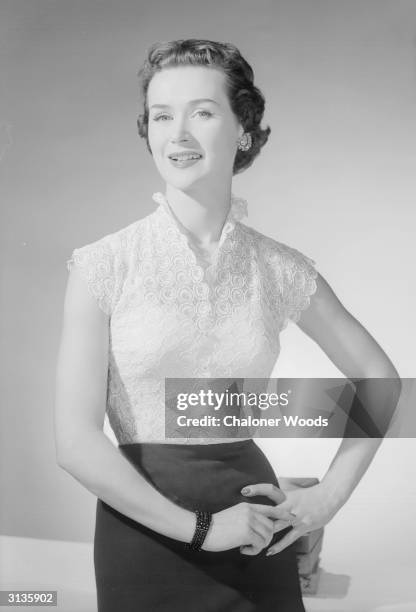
(246, 100)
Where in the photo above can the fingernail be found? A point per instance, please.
(245, 491)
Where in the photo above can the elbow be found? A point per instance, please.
(393, 373)
(392, 379)
(63, 459)
(383, 369)
(59, 453)
(398, 386)
(64, 454)
(75, 449)
(395, 381)
(63, 465)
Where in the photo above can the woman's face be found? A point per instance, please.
(189, 111)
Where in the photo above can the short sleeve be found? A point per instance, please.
(300, 284)
(292, 281)
(96, 264)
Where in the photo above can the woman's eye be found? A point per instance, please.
(163, 116)
(204, 112)
(158, 117)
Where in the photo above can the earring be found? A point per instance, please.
(245, 142)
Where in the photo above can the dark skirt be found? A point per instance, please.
(139, 570)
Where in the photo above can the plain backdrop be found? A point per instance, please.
(336, 181)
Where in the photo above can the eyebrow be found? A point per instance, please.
(197, 101)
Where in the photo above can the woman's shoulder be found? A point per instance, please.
(124, 236)
(105, 262)
(272, 250)
(113, 244)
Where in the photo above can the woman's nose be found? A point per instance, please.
(180, 132)
(180, 137)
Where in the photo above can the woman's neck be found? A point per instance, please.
(203, 215)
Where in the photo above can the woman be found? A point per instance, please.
(191, 292)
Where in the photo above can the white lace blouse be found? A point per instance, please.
(174, 314)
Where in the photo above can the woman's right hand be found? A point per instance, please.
(247, 525)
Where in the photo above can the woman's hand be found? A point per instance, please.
(304, 509)
(247, 525)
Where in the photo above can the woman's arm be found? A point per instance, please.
(85, 452)
(82, 449)
(353, 350)
(357, 355)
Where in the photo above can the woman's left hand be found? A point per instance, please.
(311, 508)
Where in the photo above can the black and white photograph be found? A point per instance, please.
(208, 297)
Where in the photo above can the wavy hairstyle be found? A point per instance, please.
(246, 100)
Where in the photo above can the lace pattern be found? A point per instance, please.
(95, 263)
(172, 314)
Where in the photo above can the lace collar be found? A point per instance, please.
(238, 210)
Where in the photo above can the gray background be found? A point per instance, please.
(335, 181)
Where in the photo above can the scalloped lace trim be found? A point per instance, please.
(174, 316)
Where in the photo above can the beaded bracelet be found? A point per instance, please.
(203, 521)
